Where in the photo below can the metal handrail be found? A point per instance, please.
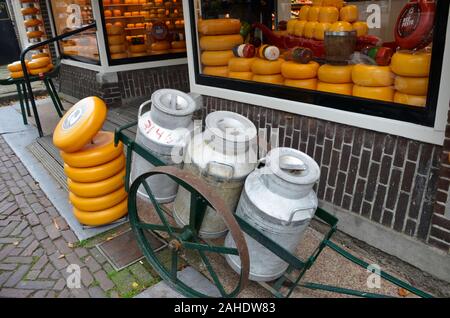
(24, 66)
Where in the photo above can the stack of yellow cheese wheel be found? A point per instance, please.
(373, 82)
(241, 68)
(266, 71)
(40, 65)
(16, 70)
(218, 38)
(94, 166)
(300, 75)
(411, 82)
(116, 41)
(336, 79)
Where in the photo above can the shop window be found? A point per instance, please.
(69, 15)
(143, 30)
(382, 58)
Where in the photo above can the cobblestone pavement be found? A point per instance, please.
(37, 246)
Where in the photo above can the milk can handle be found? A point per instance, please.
(142, 106)
(220, 163)
(293, 212)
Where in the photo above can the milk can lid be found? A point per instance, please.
(173, 102)
(230, 126)
(293, 165)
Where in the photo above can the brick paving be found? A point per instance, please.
(37, 246)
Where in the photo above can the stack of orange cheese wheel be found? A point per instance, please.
(411, 81)
(218, 38)
(16, 70)
(94, 166)
(40, 65)
(373, 82)
(336, 79)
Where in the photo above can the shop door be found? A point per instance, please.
(9, 47)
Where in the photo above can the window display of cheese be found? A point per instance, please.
(310, 83)
(298, 71)
(219, 26)
(328, 14)
(413, 100)
(341, 26)
(160, 46)
(137, 48)
(361, 28)
(308, 30)
(246, 76)
(349, 13)
(241, 64)
(384, 93)
(116, 39)
(216, 58)
(319, 30)
(410, 64)
(269, 79)
(372, 75)
(266, 67)
(343, 89)
(220, 42)
(335, 74)
(102, 217)
(304, 12)
(411, 85)
(313, 13)
(30, 23)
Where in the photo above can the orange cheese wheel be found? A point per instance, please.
(80, 124)
(304, 12)
(349, 13)
(117, 13)
(34, 34)
(113, 49)
(328, 14)
(127, 14)
(361, 28)
(178, 44)
(38, 55)
(42, 70)
(343, 89)
(319, 30)
(139, 54)
(97, 189)
(97, 152)
(411, 64)
(107, 13)
(119, 56)
(216, 71)
(246, 76)
(299, 28)
(413, 100)
(334, 3)
(102, 217)
(16, 66)
(411, 85)
(219, 26)
(308, 30)
(313, 13)
(293, 70)
(98, 203)
(216, 58)
(137, 48)
(115, 30)
(220, 42)
(266, 67)
(372, 75)
(97, 173)
(32, 23)
(384, 93)
(335, 74)
(29, 11)
(310, 83)
(270, 79)
(18, 74)
(39, 63)
(160, 46)
(116, 39)
(341, 26)
(241, 64)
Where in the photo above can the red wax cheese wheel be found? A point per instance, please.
(80, 124)
(97, 189)
(102, 217)
(97, 173)
(98, 203)
(97, 152)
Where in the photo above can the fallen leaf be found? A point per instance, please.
(16, 243)
(61, 256)
(56, 224)
(403, 292)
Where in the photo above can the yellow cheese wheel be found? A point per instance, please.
(97, 173)
(310, 83)
(299, 27)
(290, 26)
(29, 11)
(266, 67)
(97, 152)
(178, 44)
(42, 70)
(241, 64)
(413, 100)
(372, 75)
(119, 56)
(246, 76)
(16, 66)
(319, 30)
(384, 93)
(304, 13)
(80, 124)
(97, 189)
(293, 70)
(139, 54)
(115, 30)
(219, 26)
(313, 13)
(270, 79)
(216, 71)
(127, 14)
(39, 63)
(216, 58)
(328, 14)
(102, 217)
(98, 203)
(349, 13)
(34, 34)
(32, 23)
(361, 28)
(38, 55)
(116, 39)
(343, 89)
(18, 74)
(160, 46)
(411, 64)
(220, 42)
(107, 13)
(308, 31)
(113, 49)
(411, 85)
(335, 74)
(137, 48)
(334, 3)
(341, 26)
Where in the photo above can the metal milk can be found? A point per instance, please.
(223, 155)
(164, 131)
(278, 200)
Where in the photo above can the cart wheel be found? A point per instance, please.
(187, 238)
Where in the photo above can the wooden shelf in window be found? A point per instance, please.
(124, 5)
(124, 17)
(138, 28)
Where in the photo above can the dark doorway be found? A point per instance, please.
(9, 47)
